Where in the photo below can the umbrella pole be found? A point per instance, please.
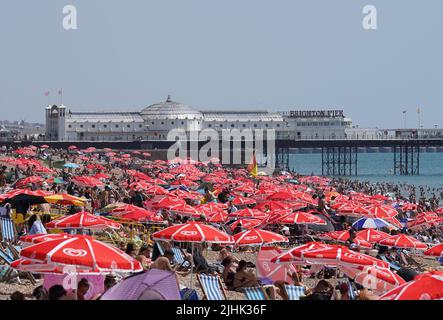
(192, 264)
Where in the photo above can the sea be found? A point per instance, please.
(378, 167)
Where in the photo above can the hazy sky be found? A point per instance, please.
(242, 54)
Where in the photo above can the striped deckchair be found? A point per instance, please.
(8, 230)
(9, 254)
(179, 258)
(295, 292)
(255, 293)
(160, 248)
(212, 287)
(393, 265)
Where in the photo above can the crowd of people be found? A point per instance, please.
(236, 273)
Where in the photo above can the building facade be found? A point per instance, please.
(156, 121)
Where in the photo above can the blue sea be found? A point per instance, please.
(378, 167)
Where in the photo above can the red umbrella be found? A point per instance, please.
(141, 216)
(282, 196)
(372, 235)
(381, 211)
(219, 217)
(82, 251)
(242, 201)
(27, 265)
(168, 202)
(38, 238)
(29, 180)
(210, 208)
(155, 181)
(247, 224)
(436, 251)
(343, 236)
(301, 217)
(259, 237)
(185, 209)
(102, 176)
(424, 222)
(426, 286)
(154, 189)
(295, 255)
(403, 241)
(373, 277)
(193, 232)
(340, 255)
(248, 213)
(273, 205)
(272, 271)
(83, 220)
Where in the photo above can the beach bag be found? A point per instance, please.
(189, 294)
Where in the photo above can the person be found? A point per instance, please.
(35, 226)
(322, 291)
(17, 296)
(57, 292)
(130, 250)
(244, 278)
(297, 279)
(343, 288)
(228, 273)
(82, 289)
(144, 256)
(231, 207)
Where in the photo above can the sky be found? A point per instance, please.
(249, 54)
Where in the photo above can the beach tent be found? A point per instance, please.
(154, 284)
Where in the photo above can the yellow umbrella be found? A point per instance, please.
(66, 199)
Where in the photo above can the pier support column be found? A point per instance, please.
(406, 160)
(339, 161)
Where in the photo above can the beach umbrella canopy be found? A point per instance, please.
(218, 217)
(242, 201)
(168, 202)
(66, 199)
(141, 216)
(341, 255)
(295, 255)
(82, 251)
(258, 237)
(436, 251)
(375, 278)
(29, 180)
(38, 238)
(193, 232)
(185, 209)
(372, 235)
(426, 286)
(381, 211)
(248, 213)
(270, 272)
(247, 224)
(273, 205)
(210, 208)
(343, 236)
(403, 241)
(370, 223)
(83, 220)
(301, 217)
(424, 222)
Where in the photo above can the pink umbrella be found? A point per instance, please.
(271, 272)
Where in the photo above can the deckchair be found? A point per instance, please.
(8, 230)
(393, 265)
(295, 292)
(179, 258)
(255, 293)
(9, 254)
(212, 287)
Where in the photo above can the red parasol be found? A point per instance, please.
(83, 220)
(403, 241)
(258, 237)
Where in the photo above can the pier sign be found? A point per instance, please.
(317, 114)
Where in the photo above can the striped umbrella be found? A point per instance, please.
(371, 223)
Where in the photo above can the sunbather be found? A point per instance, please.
(244, 278)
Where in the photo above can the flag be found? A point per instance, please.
(47, 93)
(253, 167)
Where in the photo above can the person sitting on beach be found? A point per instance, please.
(144, 256)
(228, 274)
(82, 289)
(244, 278)
(322, 291)
(35, 225)
(297, 279)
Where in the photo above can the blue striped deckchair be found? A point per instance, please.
(160, 248)
(9, 255)
(255, 293)
(393, 265)
(352, 291)
(180, 258)
(212, 287)
(295, 292)
(7, 228)
(6, 257)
